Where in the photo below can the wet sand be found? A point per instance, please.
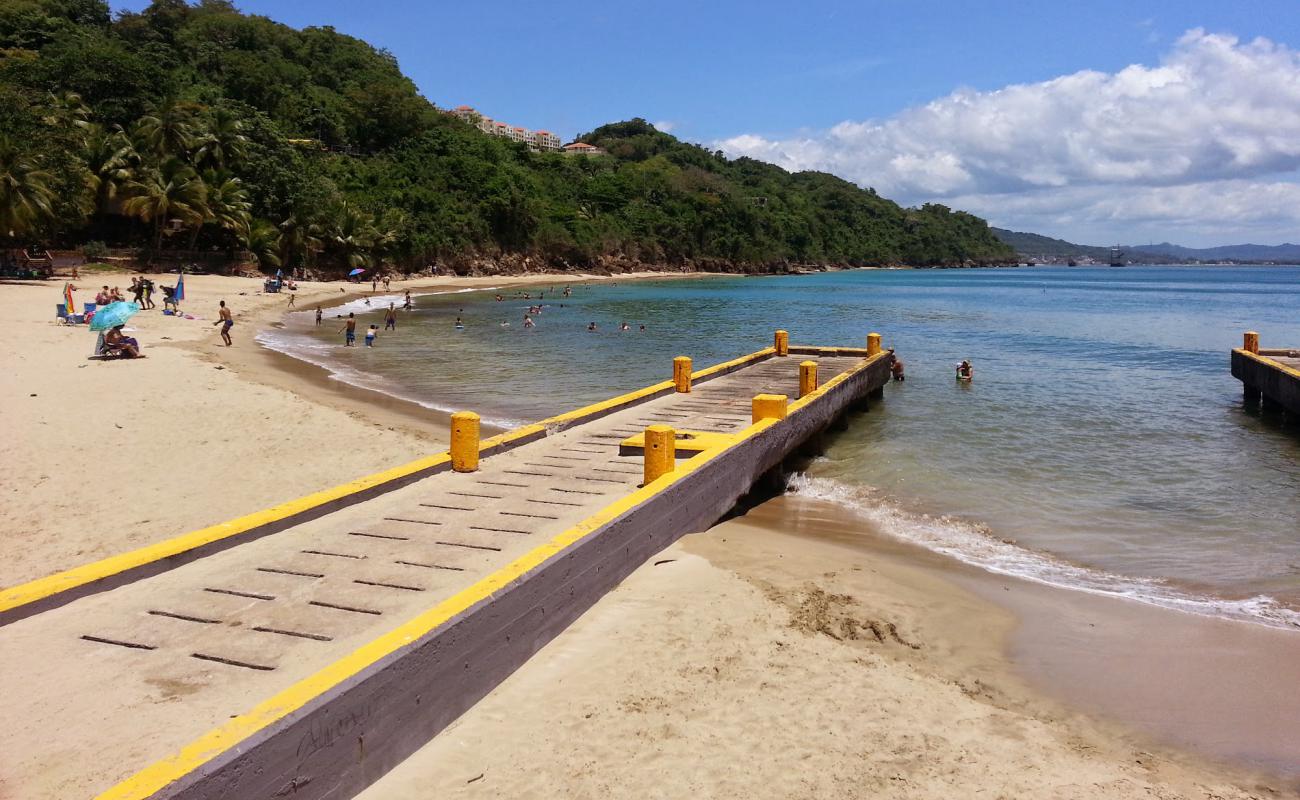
(1224, 689)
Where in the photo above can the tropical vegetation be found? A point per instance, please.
(198, 128)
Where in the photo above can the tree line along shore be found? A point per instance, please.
(197, 133)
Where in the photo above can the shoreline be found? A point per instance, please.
(1029, 654)
(1065, 648)
(981, 640)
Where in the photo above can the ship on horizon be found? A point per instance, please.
(1116, 257)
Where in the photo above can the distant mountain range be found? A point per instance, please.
(1032, 245)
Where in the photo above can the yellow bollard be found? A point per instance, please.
(682, 374)
(769, 406)
(1251, 342)
(464, 441)
(782, 343)
(660, 451)
(873, 344)
(807, 378)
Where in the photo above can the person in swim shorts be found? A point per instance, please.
(226, 323)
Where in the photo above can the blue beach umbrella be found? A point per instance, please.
(112, 315)
(355, 272)
(180, 288)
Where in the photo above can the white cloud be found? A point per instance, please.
(1207, 142)
(664, 125)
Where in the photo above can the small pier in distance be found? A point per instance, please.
(307, 649)
(1269, 376)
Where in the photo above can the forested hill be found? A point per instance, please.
(198, 127)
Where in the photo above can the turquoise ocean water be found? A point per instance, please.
(1103, 445)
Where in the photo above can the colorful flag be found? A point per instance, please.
(67, 299)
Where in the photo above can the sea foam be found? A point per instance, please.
(973, 544)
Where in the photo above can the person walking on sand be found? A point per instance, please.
(390, 318)
(386, 280)
(318, 316)
(137, 290)
(292, 297)
(349, 330)
(226, 322)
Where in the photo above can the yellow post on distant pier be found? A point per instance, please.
(464, 441)
(660, 451)
(873, 344)
(682, 374)
(1250, 342)
(807, 378)
(782, 343)
(769, 406)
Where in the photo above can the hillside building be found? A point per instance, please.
(542, 141)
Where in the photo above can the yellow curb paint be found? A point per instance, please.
(1268, 362)
(158, 775)
(22, 594)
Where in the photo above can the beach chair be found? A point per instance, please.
(90, 308)
(61, 312)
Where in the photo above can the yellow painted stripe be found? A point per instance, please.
(22, 594)
(41, 588)
(1268, 362)
(158, 775)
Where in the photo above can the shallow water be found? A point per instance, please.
(1103, 444)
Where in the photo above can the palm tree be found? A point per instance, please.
(262, 239)
(299, 237)
(227, 203)
(168, 130)
(107, 156)
(68, 108)
(352, 233)
(222, 144)
(26, 197)
(171, 191)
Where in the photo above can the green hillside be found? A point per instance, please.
(198, 127)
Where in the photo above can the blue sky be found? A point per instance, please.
(785, 73)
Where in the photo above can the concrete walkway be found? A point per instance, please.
(113, 682)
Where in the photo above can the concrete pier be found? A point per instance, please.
(1270, 376)
(329, 638)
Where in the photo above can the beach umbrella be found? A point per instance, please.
(355, 272)
(112, 315)
(180, 288)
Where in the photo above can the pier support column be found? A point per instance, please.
(873, 344)
(769, 406)
(1250, 342)
(464, 441)
(1250, 393)
(660, 452)
(807, 378)
(682, 374)
(782, 343)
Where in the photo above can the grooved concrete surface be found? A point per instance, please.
(102, 687)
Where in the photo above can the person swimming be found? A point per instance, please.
(460, 326)
(528, 321)
(591, 328)
(965, 371)
(625, 327)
